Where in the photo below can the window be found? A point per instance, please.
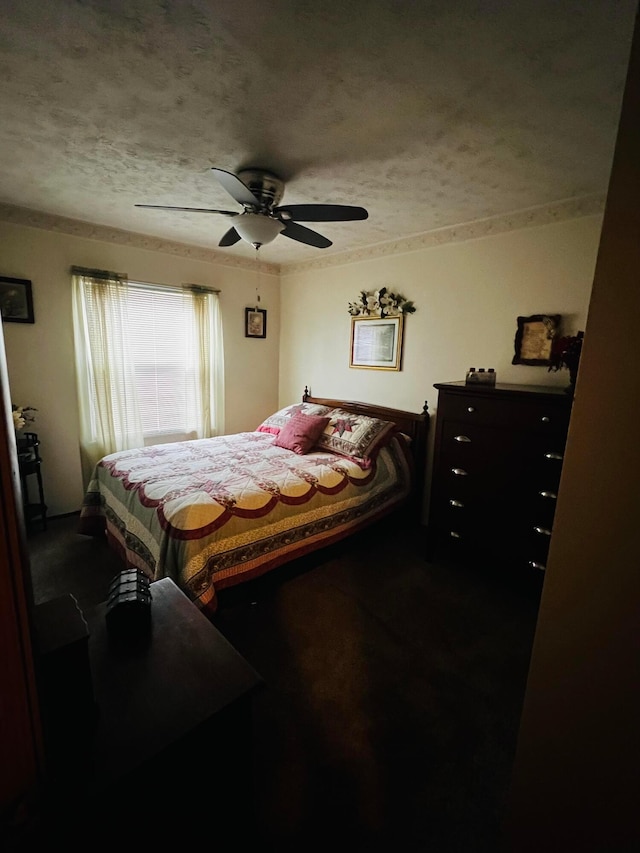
(148, 363)
(162, 326)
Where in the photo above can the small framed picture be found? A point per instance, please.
(255, 323)
(534, 337)
(16, 300)
(376, 343)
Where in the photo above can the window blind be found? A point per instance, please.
(163, 342)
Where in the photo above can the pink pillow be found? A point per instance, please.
(301, 432)
(275, 422)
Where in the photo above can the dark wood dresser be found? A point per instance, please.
(497, 463)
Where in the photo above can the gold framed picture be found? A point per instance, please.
(376, 343)
(534, 337)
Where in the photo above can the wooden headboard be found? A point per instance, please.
(413, 424)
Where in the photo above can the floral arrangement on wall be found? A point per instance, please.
(380, 303)
(566, 351)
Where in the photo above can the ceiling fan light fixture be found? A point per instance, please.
(257, 229)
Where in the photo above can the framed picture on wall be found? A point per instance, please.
(255, 323)
(16, 300)
(534, 337)
(376, 343)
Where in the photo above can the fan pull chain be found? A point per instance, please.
(257, 279)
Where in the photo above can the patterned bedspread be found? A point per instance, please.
(214, 512)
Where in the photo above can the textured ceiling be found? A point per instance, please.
(428, 114)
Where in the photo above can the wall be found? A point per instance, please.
(576, 774)
(468, 296)
(40, 356)
(21, 743)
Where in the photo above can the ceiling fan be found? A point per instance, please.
(260, 192)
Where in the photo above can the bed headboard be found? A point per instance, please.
(413, 424)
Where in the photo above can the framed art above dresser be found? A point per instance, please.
(497, 463)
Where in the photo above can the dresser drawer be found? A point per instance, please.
(540, 507)
(548, 417)
(536, 548)
(492, 460)
(466, 446)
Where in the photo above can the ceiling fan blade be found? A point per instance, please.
(305, 235)
(189, 209)
(236, 189)
(320, 212)
(230, 238)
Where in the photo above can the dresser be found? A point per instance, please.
(497, 463)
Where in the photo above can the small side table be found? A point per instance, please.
(30, 462)
(168, 740)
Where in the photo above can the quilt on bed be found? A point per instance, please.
(214, 512)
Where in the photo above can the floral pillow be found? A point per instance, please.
(358, 437)
(301, 432)
(275, 422)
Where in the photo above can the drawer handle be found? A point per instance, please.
(464, 438)
(471, 409)
(545, 419)
(459, 472)
(544, 494)
(454, 502)
(543, 530)
(454, 535)
(553, 455)
(535, 565)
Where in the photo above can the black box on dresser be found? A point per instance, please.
(497, 463)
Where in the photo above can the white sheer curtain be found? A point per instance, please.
(105, 327)
(109, 418)
(206, 309)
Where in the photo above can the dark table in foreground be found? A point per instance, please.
(171, 737)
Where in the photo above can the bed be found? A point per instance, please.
(213, 513)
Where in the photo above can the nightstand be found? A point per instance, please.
(29, 464)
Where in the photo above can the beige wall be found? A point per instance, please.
(468, 296)
(40, 356)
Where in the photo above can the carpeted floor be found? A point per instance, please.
(393, 688)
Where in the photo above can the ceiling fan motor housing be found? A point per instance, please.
(267, 187)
